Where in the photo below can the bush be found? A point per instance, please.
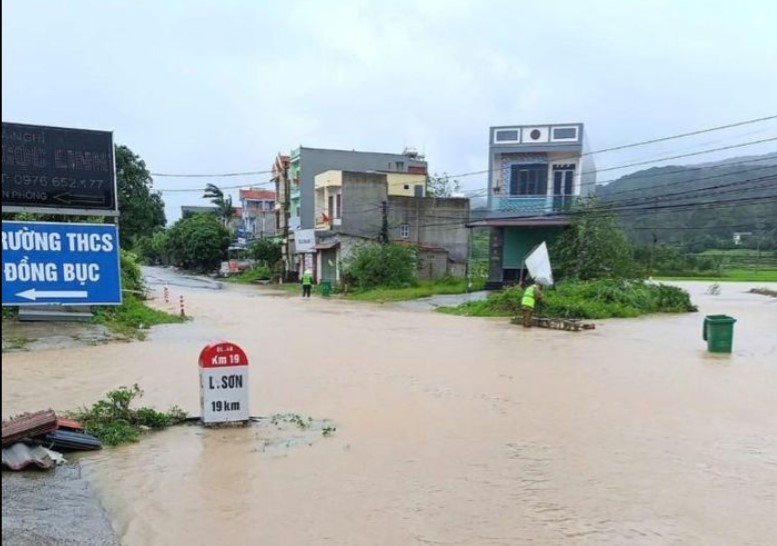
(587, 300)
(152, 249)
(594, 247)
(114, 422)
(388, 266)
(257, 273)
(131, 276)
(198, 243)
(132, 315)
(267, 251)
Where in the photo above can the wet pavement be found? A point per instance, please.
(53, 508)
(450, 430)
(448, 300)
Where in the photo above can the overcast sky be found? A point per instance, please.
(222, 86)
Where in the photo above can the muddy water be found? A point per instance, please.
(449, 430)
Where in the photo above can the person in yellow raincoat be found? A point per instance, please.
(531, 295)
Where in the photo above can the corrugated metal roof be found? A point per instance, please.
(328, 245)
(20, 456)
(28, 426)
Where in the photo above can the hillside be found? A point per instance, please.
(701, 206)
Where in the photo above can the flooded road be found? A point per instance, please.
(450, 430)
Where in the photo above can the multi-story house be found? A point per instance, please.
(536, 173)
(259, 217)
(350, 208)
(300, 170)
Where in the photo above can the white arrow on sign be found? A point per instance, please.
(33, 294)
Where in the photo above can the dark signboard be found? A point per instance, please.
(58, 170)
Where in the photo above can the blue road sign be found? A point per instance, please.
(46, 263)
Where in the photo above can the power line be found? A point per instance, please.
(635, 164)
(600, 151)
(214, 175)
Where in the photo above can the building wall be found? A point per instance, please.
(363, 194)
(432, 265)
(503, 155)
(405, 184)
(588, 170)
(259, 217)
(306, 163)
(328, 183)
(434, 222)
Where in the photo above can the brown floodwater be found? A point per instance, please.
(450, 430)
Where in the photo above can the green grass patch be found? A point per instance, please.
(18, 343)
(114, 422)
(738, 252)
(585, 300)
(420, 290)
(250, 276)
(132, 317)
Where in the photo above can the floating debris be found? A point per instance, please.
(20, 456)
(568, 325)
(67, 440)
(46, 430)
(29, 425)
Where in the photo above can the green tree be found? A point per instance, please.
(152, 249)
(441, 186)
(594, 247)
(267, 251)
(373, 266)
(198, 243)
(223, 203)
(141, 210)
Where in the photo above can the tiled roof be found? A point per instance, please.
(28, 425)
(257, 195)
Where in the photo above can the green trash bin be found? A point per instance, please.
(326, 288)
(719, 333)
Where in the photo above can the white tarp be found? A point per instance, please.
(538, 264)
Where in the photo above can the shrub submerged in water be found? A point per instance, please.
(614, 298)
(587, 300)
(114, 422)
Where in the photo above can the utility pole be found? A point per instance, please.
(760, 225)
(286, 214)
(384, 235)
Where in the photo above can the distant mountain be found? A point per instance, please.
(765, 159)
(683, 204)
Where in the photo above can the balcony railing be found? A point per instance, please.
(533, 206)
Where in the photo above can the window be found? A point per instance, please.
(529, 179)
(563, 186)
(564, 133)
(400, 165)
(404, 231)
(407, 186)
(507, 135)
(338, 205)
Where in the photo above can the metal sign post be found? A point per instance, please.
(223, 383)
